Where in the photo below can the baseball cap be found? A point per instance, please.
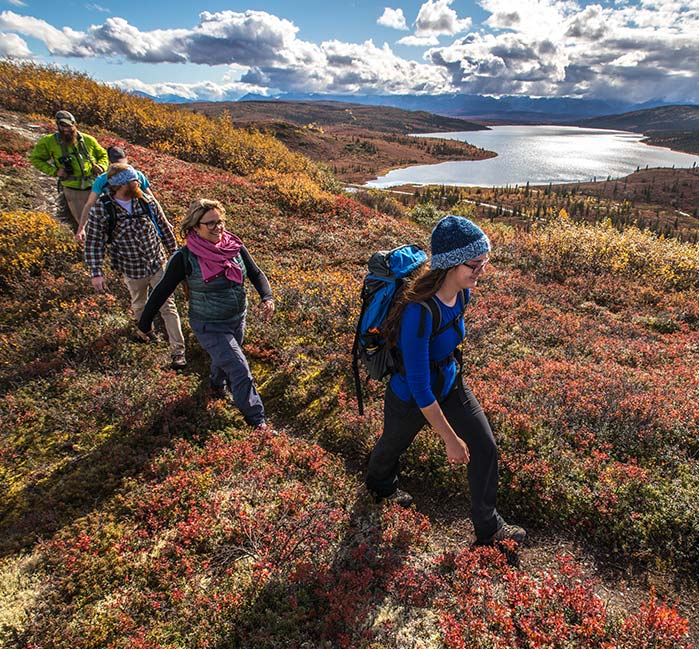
(64, 117)
(115, 153)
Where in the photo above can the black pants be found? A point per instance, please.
(403, 421)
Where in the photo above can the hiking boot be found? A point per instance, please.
(179, 362)
(399, 497)
(506, 533)
(264, 427)
(218, 391)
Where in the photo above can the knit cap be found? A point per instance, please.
(64, 117)
(123, 177)
(456, 240)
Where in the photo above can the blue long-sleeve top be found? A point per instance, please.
(420, 381)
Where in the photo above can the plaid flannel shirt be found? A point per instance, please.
(135, 249)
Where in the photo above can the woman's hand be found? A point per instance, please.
(457, 451)
(267, 310)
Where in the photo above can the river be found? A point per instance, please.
(540, 155)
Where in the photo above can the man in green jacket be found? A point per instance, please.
(75, 158)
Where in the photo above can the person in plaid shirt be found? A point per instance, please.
(135, 240)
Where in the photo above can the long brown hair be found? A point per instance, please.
(421, 286)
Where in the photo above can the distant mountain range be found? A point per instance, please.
(510, 109)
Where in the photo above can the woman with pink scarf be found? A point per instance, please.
(214, 264)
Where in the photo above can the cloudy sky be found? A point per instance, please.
(636, 50)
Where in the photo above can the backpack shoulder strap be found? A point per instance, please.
(436, 313)
(145, 206)
(463, 298)
(83, 148)
(61, 143)
(432, 306)
(187, 270)
(108, 204)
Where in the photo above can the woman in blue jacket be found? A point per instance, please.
(429, 389)
(215, 263)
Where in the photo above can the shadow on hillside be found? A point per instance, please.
(85, 480)
(339, 602)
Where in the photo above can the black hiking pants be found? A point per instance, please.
(403, 421)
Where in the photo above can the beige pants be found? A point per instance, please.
(138, 288)
(76, 199)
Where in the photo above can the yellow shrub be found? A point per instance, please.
(31, 88)
(295, 191)
(562, 246)
(30, 241)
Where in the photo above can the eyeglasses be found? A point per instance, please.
(478, 267)
(214, 225)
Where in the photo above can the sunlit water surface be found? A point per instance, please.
(540, 155)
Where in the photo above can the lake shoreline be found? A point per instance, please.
(540, 155)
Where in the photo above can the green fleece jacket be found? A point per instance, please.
(47, 153)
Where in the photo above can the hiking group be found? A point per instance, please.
(117, 214)
(410, 327)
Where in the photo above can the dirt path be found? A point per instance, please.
(40, 192)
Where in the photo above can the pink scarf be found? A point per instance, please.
(216, 259)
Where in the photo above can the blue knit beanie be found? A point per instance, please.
(455, 240)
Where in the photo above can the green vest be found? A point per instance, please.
(219, 300)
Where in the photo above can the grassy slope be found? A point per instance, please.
(168, 523)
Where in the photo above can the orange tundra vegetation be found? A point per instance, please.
(138, 512)
(31, 88)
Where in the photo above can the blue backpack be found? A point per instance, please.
(387, 270)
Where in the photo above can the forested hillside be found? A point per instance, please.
(663, 118)
(140, 512)
(676, 127)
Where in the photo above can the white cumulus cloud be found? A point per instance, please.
(367, 68)
(393, 18)
(436, 18)
(65, 42)
(637, 52)
(204, 90)
(13, 46)
(419, 41)
(641, 50)
(266, 48)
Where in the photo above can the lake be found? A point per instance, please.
(540, 155)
